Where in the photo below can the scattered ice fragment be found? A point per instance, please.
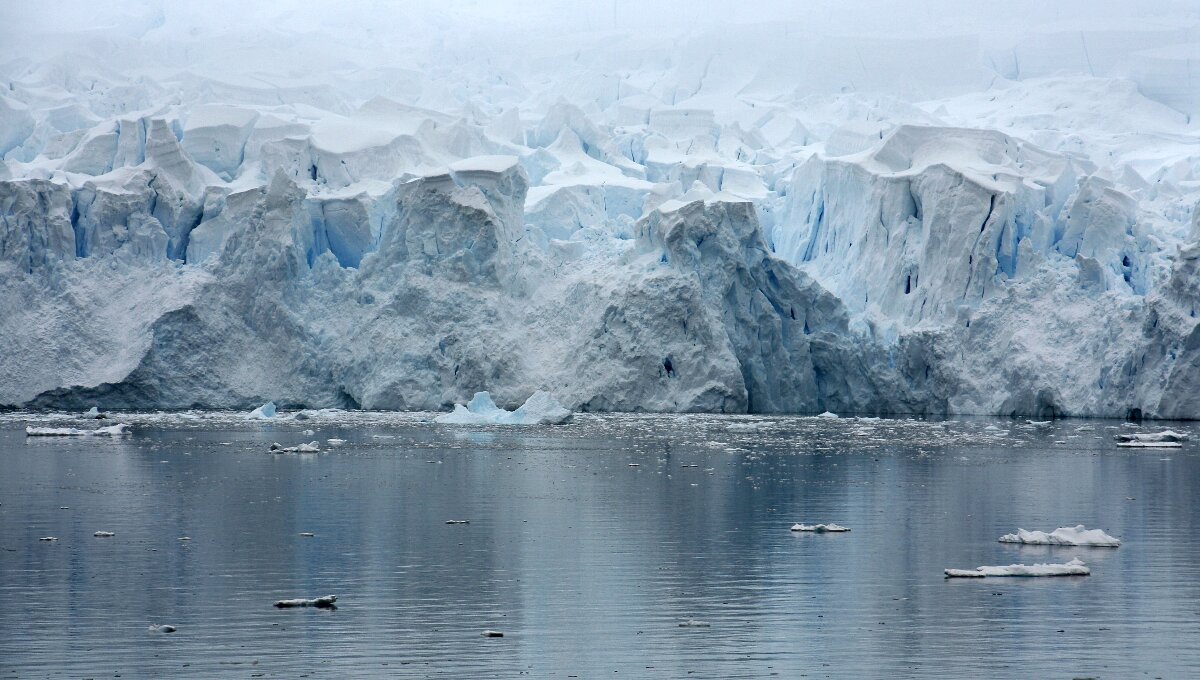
(492, 633)
(1150, 445)
(335, 442)
(308, 433)
(1040, 423)
(693, 623)
(829, 415)
(1077, 535)
(307, 534)
(324, 602)
(48, 538)
(1164, 436)
(541, 408)
(110, 431)
(104, 534)
(95, 414)
(820, 528)
(311, 447)
(263, 412)
(635, 465)
(162, 628)
(1073, 568)
(458, 521)
(993, 428)
(184, 538)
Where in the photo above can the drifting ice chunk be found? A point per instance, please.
(492, 633)
(324, 602)
(540, 409)
(104, 534)
(110, 431)
(1150, 445)
(1077, 535)
(1152, 437)
(820, 528)
(829, 415)
(95, 414)
(164, 628)
(1073, 568)
(311, 447)
(693, 623)
(264, 412)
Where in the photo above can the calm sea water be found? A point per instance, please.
(585, 562)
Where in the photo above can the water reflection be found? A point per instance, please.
(588, 564)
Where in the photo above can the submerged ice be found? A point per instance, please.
(773, 232)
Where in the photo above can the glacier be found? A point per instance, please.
(658, 219)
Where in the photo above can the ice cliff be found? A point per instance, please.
(664, 226)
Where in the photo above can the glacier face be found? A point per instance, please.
(665, 225)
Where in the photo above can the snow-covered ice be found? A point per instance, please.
(880, 212)
(1073, 568)
(1076, 536)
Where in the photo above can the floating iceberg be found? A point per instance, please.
(324, 602)
(1152, 437)
(1077, 535)
(110, 431)
(541, 408)
(1073, 568)
(821, 528)
(311, 447)
(94, 414)
(829, 415)
(1150, 445)
(264, 412)
(104, 534)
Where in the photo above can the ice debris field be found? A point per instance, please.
(397, 205)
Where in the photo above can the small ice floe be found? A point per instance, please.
(308, 433)
(335, 442)
(307, 534)
(492, 633)
(110, 431)
(821, 528)
(1076, 536)
(184, 538)
(104, 534)
(694, 623)
(993, 428)
(1040, 423)
(48, 538)
(94, 414)
(311, 447)
(1164, 436)
(1073, 568)
(829, 415)
(541, 408)
(323, 602)
(264, 412)
(162, 628)
(458, 521)
(1150, 445)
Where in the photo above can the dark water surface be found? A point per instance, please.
(586, 563)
